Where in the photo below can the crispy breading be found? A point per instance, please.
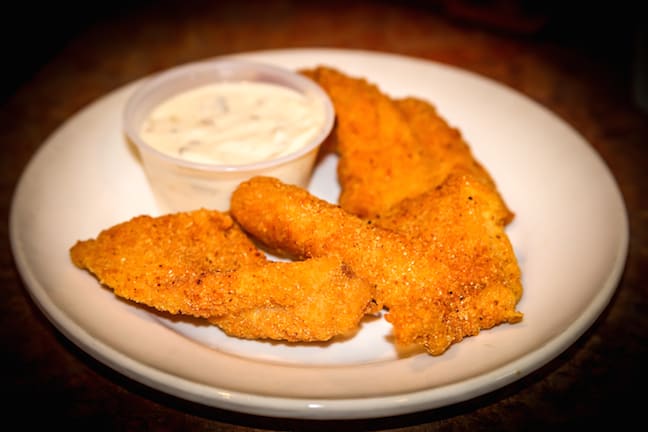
(460, 224)
(202, 264)
(147, 258)
(301, 226)
(381, 162)
(390, 149)
(452, 283)
(444, 148)
(302, 301)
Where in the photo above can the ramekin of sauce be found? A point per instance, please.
(202, 128)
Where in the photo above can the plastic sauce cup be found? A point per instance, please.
(183, 185)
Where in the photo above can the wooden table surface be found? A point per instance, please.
(553, 56)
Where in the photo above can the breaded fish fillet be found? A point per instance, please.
(202, 264)
(457, 280)
(381, 161)
(444, 148)
(390, 149)
(304, 301)
(461, 224)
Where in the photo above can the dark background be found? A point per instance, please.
(582, 61)
(610, 31)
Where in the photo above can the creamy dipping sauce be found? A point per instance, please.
(234, 123)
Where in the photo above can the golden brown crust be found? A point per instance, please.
(437, 292)
(202, 264)
(157, 260)
(444, 148)
(391, 149)
(379, 156)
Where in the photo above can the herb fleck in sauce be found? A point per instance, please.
(233, 123)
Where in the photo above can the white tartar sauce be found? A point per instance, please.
(233, 123)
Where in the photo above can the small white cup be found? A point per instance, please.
(182, 185)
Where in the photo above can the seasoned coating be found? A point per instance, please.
(390, 149)
(451, 283)
(147, 258)
(444, 149)
(381, 162)
(304, 301)
(202, 264)
(461, 224)
(301, 226)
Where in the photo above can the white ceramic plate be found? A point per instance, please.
(570, 234)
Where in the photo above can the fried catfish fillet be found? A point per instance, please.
(457, 279)
(390, 149)
(202, 264)
(461, 224)
(444, 148)
(381, 161)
